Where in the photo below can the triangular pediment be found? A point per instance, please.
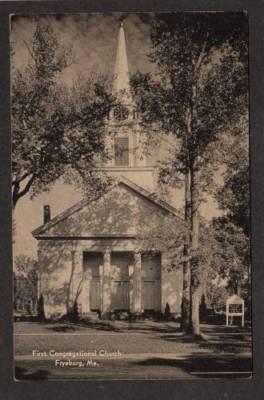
(118, 213)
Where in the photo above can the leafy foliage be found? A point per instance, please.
(231, 259)
(200, 86)
(216, 296)
(168, 235)
(24, 265)
(234, 196)
(232, 231)
(56, 129)
(25, 282)
(197, 94)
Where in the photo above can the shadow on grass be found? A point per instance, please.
(63, 328)
(101, 326)
(201, 366)
(218, 340)
(111, 326)
(25, 374)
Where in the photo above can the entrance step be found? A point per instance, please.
(91, 316)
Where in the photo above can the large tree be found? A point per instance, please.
(232, 230)
(197, 94)
(55, 129)
(231, 254)
(234, 196)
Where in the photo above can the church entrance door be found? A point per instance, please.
(120, 262)
(92, 262)
(151, 273)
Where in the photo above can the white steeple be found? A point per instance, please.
(121, 71)
(126, 140)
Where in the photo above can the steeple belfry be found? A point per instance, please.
(121, 71)
(126, 139)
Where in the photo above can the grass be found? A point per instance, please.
(149, 350)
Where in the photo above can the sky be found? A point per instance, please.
(93, 40)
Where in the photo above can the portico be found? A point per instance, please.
(107, 280)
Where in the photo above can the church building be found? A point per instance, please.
(94, 254)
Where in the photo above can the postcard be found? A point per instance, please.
(130, 196)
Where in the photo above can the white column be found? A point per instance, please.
(78, 291)
(72, 278)
(137, 283)
(131, 287)
(101, 277)
(84, 298)
(39, 274)
(158, 295)
(107, 281)
(164, 281)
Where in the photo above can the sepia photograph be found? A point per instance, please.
(131, 196)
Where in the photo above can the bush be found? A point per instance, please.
(203, 309)
(73, 314)
(167, 313)
(217, 296)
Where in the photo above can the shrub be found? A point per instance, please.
(203, 309)
(73, 314)
(167, 312)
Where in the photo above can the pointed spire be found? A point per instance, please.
(121, 72)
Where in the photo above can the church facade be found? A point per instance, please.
(96, 253)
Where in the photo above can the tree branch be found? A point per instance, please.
(16, 194)
(29, 50)
(19, 180)
(201, 55)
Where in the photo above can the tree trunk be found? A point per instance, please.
(69, 300)
(14, 196)
(196, 297)
(17, 192)
(195, 278)
(186, 321)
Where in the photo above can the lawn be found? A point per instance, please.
(146, 349)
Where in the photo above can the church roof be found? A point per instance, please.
(83, 203)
